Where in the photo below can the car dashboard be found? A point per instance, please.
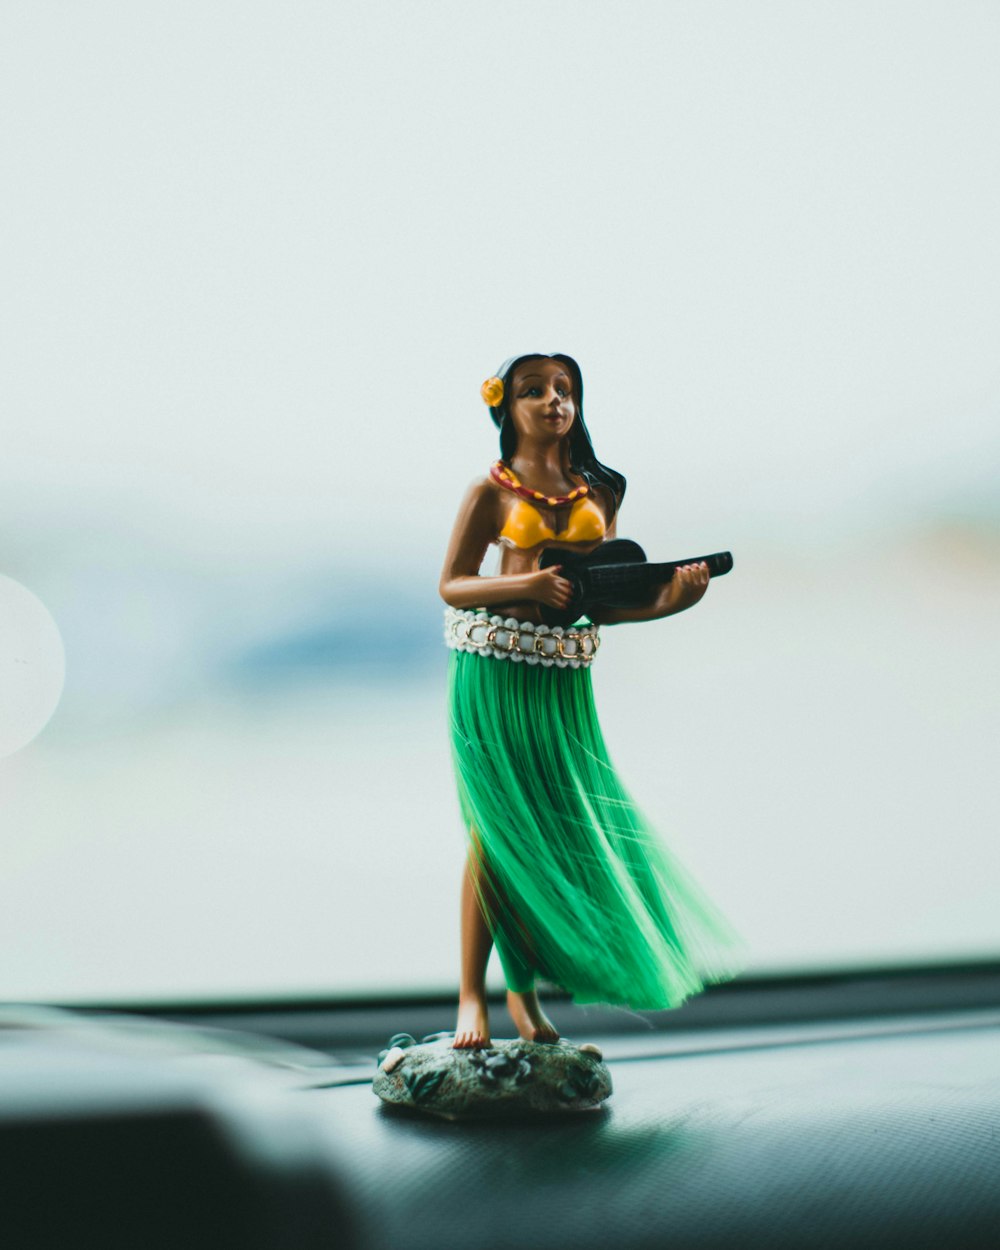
(847, 1110)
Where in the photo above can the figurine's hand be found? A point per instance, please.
(548, 587)
(685, 588)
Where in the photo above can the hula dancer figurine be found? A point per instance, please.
(564, 875)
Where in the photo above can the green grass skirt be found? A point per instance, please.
(576, 887)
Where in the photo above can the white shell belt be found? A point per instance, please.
(505, 638)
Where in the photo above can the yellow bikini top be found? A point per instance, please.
(524, 526)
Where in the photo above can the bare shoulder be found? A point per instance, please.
(482, 497)
(482, 487)
(479, 510)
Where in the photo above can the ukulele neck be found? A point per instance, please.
(608, 578)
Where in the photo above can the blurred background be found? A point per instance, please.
(257, 260)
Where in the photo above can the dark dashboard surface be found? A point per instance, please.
(885, 1139)
(872, 1127)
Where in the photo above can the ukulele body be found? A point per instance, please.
(576, 569)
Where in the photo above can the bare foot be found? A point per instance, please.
(473, 1028)
(532, 1023)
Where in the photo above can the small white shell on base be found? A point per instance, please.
(393, 1059)
(588, 1048)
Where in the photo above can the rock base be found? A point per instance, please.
(507, 1079)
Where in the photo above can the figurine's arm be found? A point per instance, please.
(478, 525)
(685, 588)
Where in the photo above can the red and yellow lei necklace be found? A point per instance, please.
(508, 479)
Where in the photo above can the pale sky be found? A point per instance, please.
(259, 257)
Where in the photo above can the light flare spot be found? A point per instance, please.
(32, 666)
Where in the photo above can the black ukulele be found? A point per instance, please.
(615, 575)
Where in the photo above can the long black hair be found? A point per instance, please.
(582, 460)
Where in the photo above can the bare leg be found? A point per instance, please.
(532, 1023)
(473, 1027)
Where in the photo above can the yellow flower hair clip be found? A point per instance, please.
(492, 392)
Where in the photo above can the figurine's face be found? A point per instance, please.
(541, 399)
